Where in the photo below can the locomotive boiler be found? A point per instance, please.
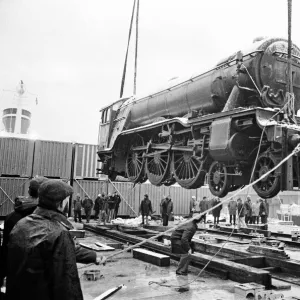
(224, 127)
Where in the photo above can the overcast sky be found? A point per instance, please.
(71, 52)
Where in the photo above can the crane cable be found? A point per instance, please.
(126, 56)
(136, 45)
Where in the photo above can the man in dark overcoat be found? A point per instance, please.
(146, 209)
(41, 251)
(167, 210)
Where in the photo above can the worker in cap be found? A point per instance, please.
(77, 208)
(181, 243)
(146, 209)
(167, 210)
(24, 206)
(117, 199)
(41, 252)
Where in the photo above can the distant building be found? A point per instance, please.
(16, 113)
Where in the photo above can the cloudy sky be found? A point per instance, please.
(71, 52)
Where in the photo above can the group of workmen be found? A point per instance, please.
(38, 254)
(240, 213)
(249, 212)
(166, 209)
(106, 207)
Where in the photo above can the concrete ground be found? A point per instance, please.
(139, 279)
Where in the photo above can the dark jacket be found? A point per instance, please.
(241, 209)
(111, 202)
(267, 207)
(232, 206)
(167, 207)
(248, 208)
(25, 207)
(160, 205)
(146, 207)
(216, 211)
(203, 205)
(87, 203)
(41, 259)
(100, 202)
(97, 203)
(263, 209)
(117, 199)
(184, 234)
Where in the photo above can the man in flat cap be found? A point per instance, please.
(146, 209)
(24, 206)
(41, 252)
(181, 243)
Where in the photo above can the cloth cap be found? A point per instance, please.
(146, 196)
(53, 191)
(35, 183)
(193, 197)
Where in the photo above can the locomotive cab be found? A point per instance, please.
(107, 119)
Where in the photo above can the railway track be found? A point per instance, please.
(233, 261)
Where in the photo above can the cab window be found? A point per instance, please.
(105, 116)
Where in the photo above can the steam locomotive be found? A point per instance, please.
(224, 127)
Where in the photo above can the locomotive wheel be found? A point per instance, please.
(187, 169)
(218, 179)
(135, 162)
(269, 186)
(157, 167)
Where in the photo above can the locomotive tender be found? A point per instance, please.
(213, 126)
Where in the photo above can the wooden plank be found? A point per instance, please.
(245, 230)
(233, 240)
(104, 247)
(157, 259)
(90, 246)
(115, 245)
(268, 251)
(258, 226)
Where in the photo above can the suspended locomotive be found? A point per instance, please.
(225, 127)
